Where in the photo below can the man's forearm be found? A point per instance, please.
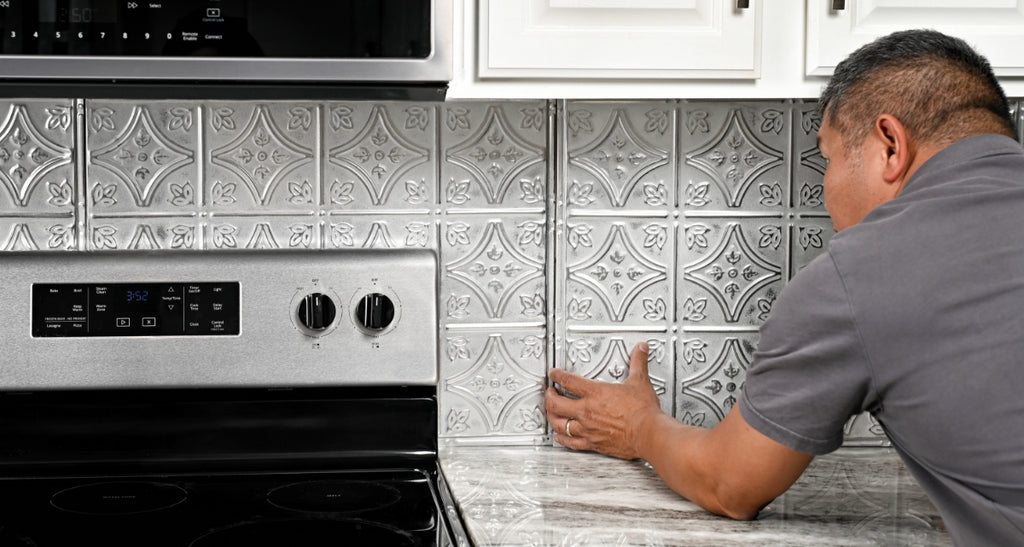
(719, 469)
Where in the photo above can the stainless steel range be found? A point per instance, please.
(201, 399)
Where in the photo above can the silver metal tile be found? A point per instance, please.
(493, 269)
(494, 155)
(380, 156)
(730, 271)
(604, 356)
(712, 369)
(142, 157)
(809, 238)
(620, 155)
(37, 234)
(142, 233)
(493, 384)
(617, 272)
(808, 194)
(384, 231)
(262, 232)
(864, 430)
(733, 156)
(38, 186)
(261, 156)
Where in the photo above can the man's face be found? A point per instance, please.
(848, 179)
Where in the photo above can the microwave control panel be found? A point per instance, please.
(350, 29)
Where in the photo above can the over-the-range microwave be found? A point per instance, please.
(101, 46)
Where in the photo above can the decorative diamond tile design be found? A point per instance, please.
(495, 155)
(734, 156)
(712, 368)
(493, 270)
(619, 277)
(496, 384)
(673, 222)
(38, 187)
(385, 157)
(493, 241)
(619, 155)
(262, 156)
(733, 277)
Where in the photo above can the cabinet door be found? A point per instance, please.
(994, 27)
(638, 39)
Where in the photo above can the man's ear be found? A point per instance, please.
(892, 135)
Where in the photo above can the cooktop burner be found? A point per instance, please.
(365, 507)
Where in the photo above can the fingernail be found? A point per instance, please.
(643, 347)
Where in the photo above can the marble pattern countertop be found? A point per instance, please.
(535, 496)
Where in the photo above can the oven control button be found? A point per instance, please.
(316, 311)
(375, 311)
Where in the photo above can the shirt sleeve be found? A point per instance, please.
(809, 374)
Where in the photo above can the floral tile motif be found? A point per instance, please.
(605, 357)
(142, 157)
(733, 270)
(619, 155)
(493, 269)
(809, 238)
(808, 194)
(494, 155)
(256, 232)
(262, 156)
(381, 155)
(380, 231)
(492, 383)
(37, 234)
(617, 272)
(733, 156)
(142, 233)
(864, 430)
(712, 369)
(38, 187)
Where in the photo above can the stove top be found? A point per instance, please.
(309, 508)
(201, 399)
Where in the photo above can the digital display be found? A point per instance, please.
(137, 295)
(135, 309)
(78, 12)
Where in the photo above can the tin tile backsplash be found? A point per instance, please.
(567, 231)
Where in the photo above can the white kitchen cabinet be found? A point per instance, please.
(994, 27)
(619, 39)
(700, 49)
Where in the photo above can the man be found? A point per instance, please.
(915, 313)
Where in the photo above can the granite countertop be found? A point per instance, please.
(553, 496)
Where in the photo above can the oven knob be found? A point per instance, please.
(375, 311)
(316, 311)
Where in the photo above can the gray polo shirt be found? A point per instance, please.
(916, 314)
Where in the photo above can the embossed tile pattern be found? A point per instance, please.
(39, 194)
(493, 242)
(673, 222)
(679, 223)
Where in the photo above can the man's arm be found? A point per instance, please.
(732, 469)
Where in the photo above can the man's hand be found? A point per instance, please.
(607, 418)
(731, 470)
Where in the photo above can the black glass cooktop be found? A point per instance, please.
(365, 507)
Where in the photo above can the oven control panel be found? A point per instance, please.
(210, 318)
(135, 309)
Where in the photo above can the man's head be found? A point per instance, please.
(892, 104)
(936, 85)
